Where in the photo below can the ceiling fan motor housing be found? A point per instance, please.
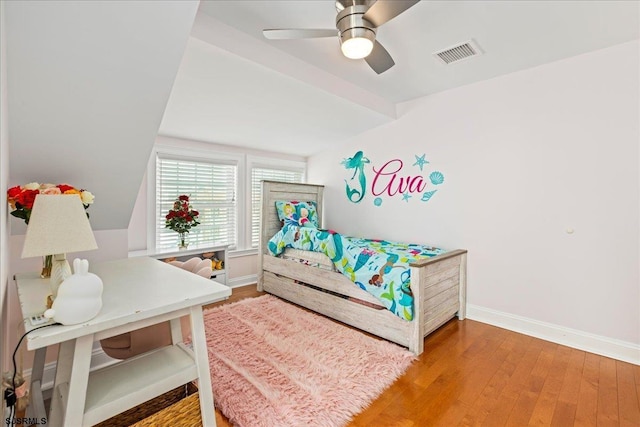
(351, 24)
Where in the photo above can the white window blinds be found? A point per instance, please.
(257, 175)
(211, 188)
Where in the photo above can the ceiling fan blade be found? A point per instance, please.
(385, 10)
(306, 33)
(379, 59)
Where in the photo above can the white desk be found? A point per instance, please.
(138, 292)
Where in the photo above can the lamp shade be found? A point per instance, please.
(58, 225)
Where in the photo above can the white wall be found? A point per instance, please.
(137, 231)
(4, 179)
(526, 157)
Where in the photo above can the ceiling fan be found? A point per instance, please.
(356, 25)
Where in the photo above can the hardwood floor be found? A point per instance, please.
(473, 374)
(476, 374)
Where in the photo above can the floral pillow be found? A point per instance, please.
(303, 214)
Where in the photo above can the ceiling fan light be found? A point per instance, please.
(357, 47)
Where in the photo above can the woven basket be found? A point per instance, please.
(185, 413)
(151, 407)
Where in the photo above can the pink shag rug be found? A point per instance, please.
(274, 364)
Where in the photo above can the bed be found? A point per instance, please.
(438, 284)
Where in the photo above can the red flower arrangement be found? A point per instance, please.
(21, 198)
(182, 217)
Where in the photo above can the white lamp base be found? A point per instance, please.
(60, 270)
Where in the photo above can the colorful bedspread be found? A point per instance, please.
(377, 266)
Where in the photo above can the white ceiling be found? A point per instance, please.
(87, 84)
(302, 96)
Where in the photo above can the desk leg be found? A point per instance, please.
(176, 331)
(72, 376)
(199, 341)
(63, 368)
(36, 407)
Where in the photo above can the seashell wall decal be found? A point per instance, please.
(428, 195)
(436, 178)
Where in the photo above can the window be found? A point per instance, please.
(272, 174)
(223, 185)
(211, 187)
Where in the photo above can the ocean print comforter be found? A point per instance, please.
(379, 267)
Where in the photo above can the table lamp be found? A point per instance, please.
(58, 224)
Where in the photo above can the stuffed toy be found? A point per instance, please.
(79, 296)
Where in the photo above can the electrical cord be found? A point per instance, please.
(10, 394)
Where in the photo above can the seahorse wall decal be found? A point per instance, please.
(356, 163)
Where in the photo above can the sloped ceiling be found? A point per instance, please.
(227, 92)
(256, 107)
(88, 82)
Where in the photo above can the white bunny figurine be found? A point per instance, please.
(79, 296)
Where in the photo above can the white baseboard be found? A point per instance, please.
(604, 346)
(242, 281)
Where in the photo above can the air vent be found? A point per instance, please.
(458, 52)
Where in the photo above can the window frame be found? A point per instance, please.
(266, 163)
(244, 165)
(193, 155)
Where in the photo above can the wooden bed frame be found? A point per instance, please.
(438, 284)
